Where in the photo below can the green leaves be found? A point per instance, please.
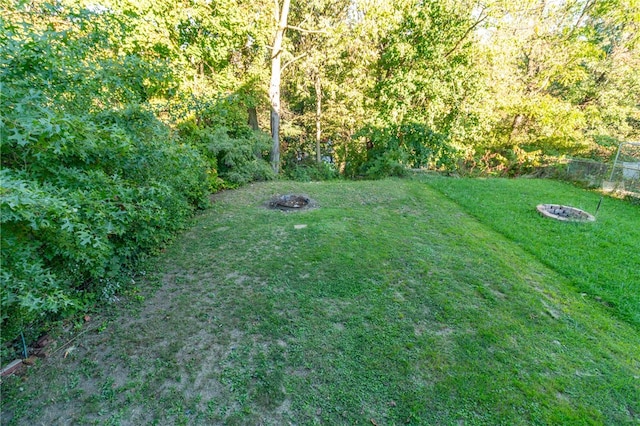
(391, 150)
(558, 78)
(218, 129)
(424, 69)
(91, 180)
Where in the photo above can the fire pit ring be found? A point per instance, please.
(564, 213)
(291, 202)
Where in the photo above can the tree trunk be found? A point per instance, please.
(518, 121)
(252, 121)
(318, 115)
(274, 86)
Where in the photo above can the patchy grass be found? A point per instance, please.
(392, 306)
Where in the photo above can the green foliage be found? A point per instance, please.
(425, 72)
(75, 215)
(505, 162)
(240, 159)
(309, 170)
(558, 79)
(78, 60)
(391, 150)
(237, 154)
(27, 287)
(86, 188)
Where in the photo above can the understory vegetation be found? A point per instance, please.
(388, 303)
(92, 179)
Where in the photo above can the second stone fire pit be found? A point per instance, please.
(564, 213)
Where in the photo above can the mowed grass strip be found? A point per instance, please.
(392, 306)
(601, 259)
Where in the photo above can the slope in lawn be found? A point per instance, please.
(601, 259)
(391, 306)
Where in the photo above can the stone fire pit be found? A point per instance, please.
(564, 213)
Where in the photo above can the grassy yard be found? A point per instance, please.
(601, 259)
(424, 301)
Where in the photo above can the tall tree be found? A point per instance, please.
(282, 14)
(305, 41)
(334, 74)
(318, 87)
(424, 72)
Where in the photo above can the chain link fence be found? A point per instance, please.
(621, 177)
(587, 172)
(625, 172)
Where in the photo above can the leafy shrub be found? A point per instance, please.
(391, 150)
(27, 287)
(309, 170)
(85, 189)
(78, 209)
(504, 162)
(237, 154)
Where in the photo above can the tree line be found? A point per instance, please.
(120, 116)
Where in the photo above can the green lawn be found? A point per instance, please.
(601, 259)
(424, 301)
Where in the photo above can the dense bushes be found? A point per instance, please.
(308, 170)
(82, 198)
(391, 150)
(90, 179)
(236, 153)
